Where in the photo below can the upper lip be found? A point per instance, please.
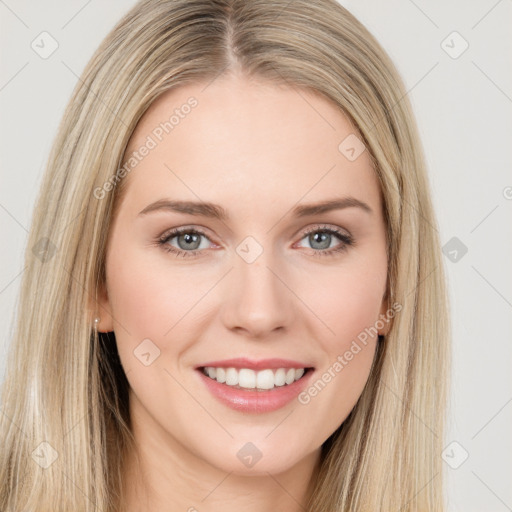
(262, 364)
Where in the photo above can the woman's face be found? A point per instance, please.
(257, 279)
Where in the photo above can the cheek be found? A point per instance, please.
(150, 301)
(347, 300)
(140, 298)
(153, 299)
(348, 303)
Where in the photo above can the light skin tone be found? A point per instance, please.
(258, 150)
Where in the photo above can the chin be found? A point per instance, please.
(259, 458)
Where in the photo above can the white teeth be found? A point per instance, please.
(231, 377)
(221, 375)
(290, 376)
(280, 377)
(251, 379)
(265, 379)
(247, 378)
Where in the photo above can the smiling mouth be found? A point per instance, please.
(251, 380)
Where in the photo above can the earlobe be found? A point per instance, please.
(102, 316)
(384, 322)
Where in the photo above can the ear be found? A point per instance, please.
(102, 309)
(382, 316)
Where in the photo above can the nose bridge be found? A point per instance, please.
(257, 301)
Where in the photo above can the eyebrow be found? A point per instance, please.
(216, 211)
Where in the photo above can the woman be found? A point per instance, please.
(183, 342)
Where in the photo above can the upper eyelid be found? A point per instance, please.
(325, 227)
(171, 233)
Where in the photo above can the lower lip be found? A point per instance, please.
(253, 400)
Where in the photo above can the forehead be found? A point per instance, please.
(240, 141)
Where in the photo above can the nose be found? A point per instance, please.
(257, 299)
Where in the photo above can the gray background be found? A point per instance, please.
(463, 104)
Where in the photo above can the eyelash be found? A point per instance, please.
(346, 240)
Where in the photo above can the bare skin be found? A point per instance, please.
(258, 150)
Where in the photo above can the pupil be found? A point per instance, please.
(190, 238)
(323, 238)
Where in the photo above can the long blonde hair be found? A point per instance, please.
(65, 393)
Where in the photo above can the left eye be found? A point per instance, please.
(323, 237)
(189, 241)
